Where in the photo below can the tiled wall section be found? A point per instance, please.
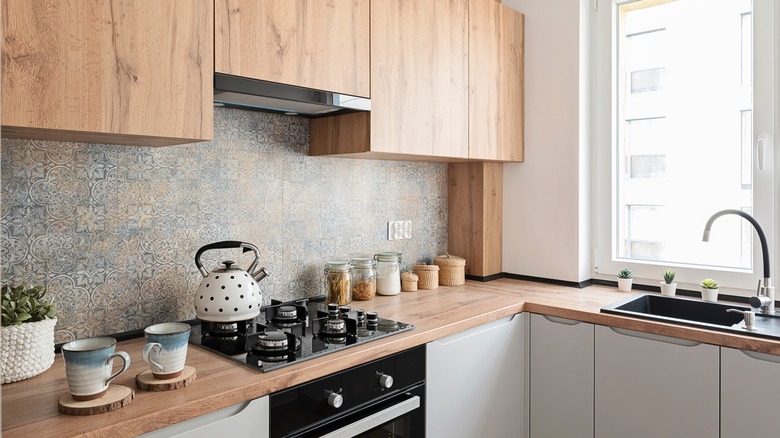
(112, 230)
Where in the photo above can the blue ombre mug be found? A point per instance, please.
(88, 366)
(166, 349)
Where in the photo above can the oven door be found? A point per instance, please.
(399, 416)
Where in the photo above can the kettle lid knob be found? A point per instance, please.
(228, 264)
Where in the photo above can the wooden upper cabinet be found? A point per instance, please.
(118, 71)
(419, 87)
(446, 84)
(495, 81)
(419, 57)
(319, 44)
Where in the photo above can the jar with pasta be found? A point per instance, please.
(337, 283)
(363, 274)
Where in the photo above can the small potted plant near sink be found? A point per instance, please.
(668, 286)
(27, 336)
(709, 290)
(625, 279)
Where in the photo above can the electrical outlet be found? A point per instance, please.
(394, 231)
(399, 230)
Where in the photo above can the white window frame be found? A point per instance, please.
(766, 126)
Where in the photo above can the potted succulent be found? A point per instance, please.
(709, 289)
(625, 280)
(668, 286)
(27, 338)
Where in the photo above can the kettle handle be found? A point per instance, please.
(227, 244)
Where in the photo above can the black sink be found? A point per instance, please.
(693, 312)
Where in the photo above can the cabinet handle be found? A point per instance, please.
(761, 150)
(653, 337)
(559, 320)
(766, 357)
(475, 330)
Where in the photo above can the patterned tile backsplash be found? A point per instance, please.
(112, 230)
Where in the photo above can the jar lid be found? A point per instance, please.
(408, 276)
(338, 265)
(425, 268)
(361, 262)
(449, 260)
(388, 256)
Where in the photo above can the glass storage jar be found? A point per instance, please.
(337, 283)
(363, 274)
(388, 273)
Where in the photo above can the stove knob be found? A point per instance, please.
(385, 381)
(335, 400)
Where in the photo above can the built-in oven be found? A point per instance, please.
(382, 398)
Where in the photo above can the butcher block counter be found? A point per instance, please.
(29, 407)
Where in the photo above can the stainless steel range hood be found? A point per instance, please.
(259, 95)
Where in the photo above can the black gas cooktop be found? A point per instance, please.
(289, 332)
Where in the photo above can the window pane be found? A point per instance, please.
(746, 144)
(646, 80)
(684, 135)
(648, 166)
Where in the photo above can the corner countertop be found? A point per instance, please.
(29, 407)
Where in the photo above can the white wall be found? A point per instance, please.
(546, 201)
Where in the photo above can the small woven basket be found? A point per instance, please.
(453, 270)
(409, 282)
(26, 350)
(429, 276)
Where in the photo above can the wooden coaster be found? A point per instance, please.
(116, 396)
(146, 381)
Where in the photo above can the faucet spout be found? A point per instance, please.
(765, 290)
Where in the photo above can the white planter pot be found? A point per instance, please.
(668, 289)
(26, 350)
(624, 284)
(709, 294)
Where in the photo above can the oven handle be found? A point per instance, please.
(376, 419)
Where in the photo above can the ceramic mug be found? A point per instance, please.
(88, 366)
(166, 348)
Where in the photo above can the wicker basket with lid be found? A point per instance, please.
(453, 270)
(409, 282)
(429, 276)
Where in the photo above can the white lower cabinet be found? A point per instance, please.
(244, 419)
(561, 378)
(654, 386)
(475, 382)
(750, 393)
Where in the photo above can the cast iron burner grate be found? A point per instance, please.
(289, 332)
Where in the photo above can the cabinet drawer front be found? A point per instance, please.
(561, 388)
(750, 393)
(650, 386)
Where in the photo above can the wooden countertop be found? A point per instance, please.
(29, 407)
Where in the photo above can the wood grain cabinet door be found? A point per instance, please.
(319, 44)
(419, 82)
(496, 75)
(118, 71)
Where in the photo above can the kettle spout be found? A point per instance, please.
(260, 274)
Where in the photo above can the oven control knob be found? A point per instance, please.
(385, 381)
(335, 400)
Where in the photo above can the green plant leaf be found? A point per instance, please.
(25, 304)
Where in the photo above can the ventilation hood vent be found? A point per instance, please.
(235, 91)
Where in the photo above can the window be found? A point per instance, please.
(680, 86)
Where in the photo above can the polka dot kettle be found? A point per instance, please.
(229, 294)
